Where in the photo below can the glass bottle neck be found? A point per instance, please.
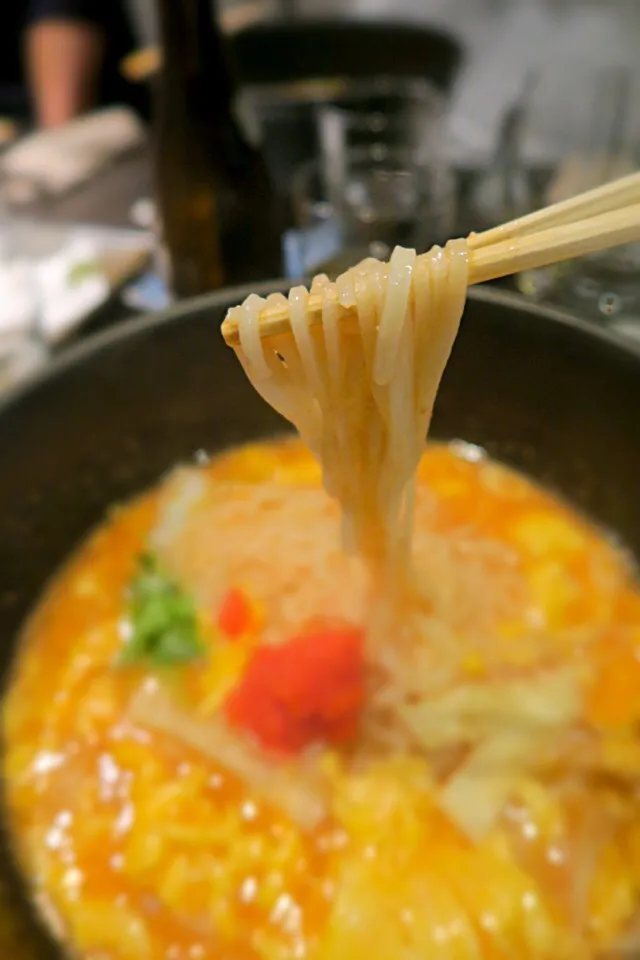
(193, 44)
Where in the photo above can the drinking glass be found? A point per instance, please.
(584, 125)
(398, 113)
(377, 198)
(298, 122)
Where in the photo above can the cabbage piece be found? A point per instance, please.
(513, 722)
(470, 712)
(476, 795)
(295, 789)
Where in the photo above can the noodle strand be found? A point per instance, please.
(363, 401)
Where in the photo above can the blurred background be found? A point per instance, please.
(156, 149)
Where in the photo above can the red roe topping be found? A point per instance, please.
(306, 690)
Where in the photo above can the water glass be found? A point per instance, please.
(379, 197)
(398, 113)
(584, 125)
(301, 121)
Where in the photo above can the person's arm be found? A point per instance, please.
(63, 49)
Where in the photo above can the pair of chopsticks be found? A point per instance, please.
(598, 219)
(607, 216)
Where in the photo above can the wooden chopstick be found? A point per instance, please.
(555, 244)
(623, 192)
(510, 252)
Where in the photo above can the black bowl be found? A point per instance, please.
(540, 390)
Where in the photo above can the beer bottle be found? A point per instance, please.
(218, 213)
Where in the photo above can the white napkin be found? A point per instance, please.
(18, 298)
(71, 285)
(53, 294)
(58, 159)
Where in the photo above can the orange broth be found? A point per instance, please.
(140, 848)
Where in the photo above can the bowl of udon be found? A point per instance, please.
(271, 695)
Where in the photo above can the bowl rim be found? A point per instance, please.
(93, 344)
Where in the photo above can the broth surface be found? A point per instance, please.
(140, 845)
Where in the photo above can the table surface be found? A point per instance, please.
(106, 199)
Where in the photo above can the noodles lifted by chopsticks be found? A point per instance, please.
(362, 399)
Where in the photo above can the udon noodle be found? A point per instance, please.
(362, 400)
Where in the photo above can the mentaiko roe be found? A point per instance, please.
(309, 689)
